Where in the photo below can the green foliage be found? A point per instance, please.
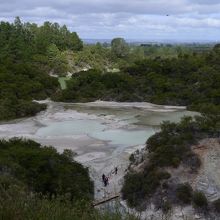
(132, 158)
(36, 182)
(19, 84)
(32, 206)
(166, 206)
(199, 200)
(92, 57)
(173, 50)
(11, 108)
(93, 84)
(217, 205)
(28, 53)
(184, 193)
(57, 60)
(43, 170)
(169, 148)
(69, 154)
(119, 47)
(169, 75)
(187, 80)
(53, 33)
(140, 186)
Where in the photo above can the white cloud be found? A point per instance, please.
(188, 19)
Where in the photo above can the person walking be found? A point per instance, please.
(103, 177)
(106, 181)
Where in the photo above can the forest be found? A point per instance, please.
(28, 53)
(188, 80)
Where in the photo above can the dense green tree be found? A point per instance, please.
(184, 193)
(119, 47)
(93, 84)
(44, 170)
(57, 60)
(200, 200)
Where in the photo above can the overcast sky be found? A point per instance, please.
(192, 20)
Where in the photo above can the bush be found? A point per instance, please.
(200, 200)
(140, 186)
(30, 206)
(217, 205)
(132, 158)
(184, 193)
(166, 206)
(43, 170)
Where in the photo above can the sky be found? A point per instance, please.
(179, 20)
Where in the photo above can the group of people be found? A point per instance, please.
(105, 179)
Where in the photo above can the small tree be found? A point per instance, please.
(166, 206)
(69, 154)
(119, 47)
(184, 193)
(199, 200)
(57, 60)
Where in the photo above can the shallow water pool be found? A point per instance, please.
(72, 127)
(135, 125)
(121, 137)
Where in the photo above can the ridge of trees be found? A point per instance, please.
(189, 80)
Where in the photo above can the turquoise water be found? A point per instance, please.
(97, 130)
(73, 127)
(124, 137)
(146, 124)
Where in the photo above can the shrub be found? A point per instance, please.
(217, 205)
(44, 170)
(166, 206)
(184, 193)
(175, 162)
(140, 186)
(30, 206)
(131, 158)
(199, 200)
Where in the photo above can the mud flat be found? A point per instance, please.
(103, 134)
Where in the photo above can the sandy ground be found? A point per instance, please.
(143, 105)
(208, 178)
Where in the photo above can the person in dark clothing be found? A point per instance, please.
(116, 170)
(106, 181)
(103, 177)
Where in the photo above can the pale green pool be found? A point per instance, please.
(73, 127)
(137, 125)
(124, 137)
